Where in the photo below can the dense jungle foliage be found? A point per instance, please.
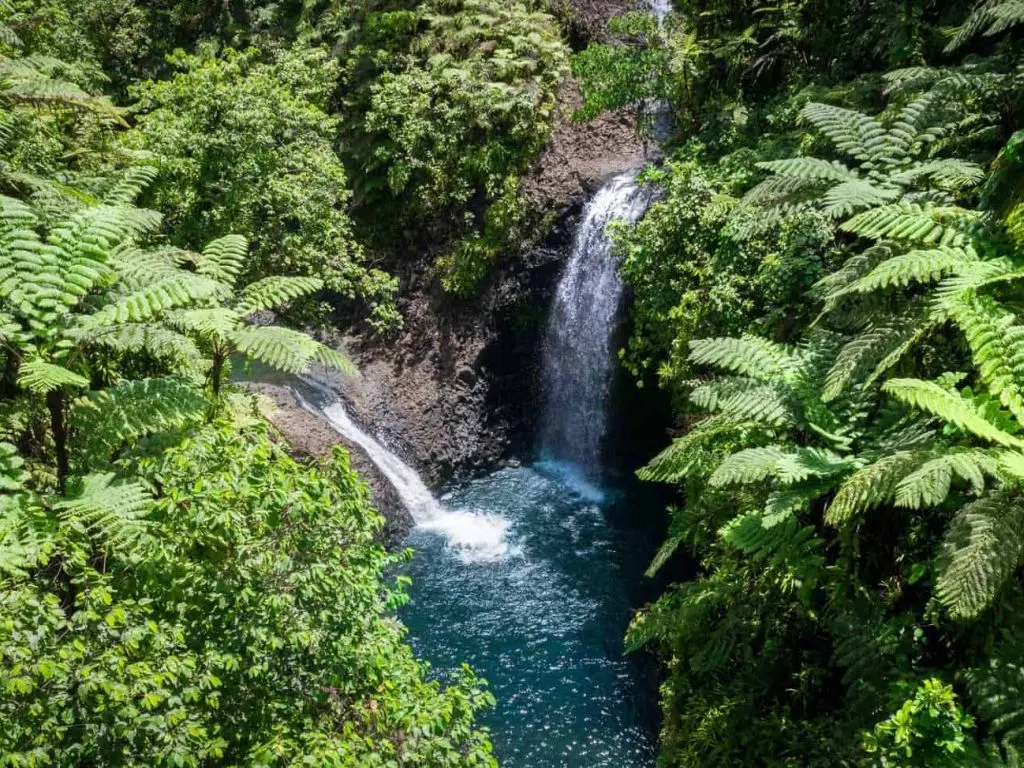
(828, 286)
(174, 588)
(830, 289)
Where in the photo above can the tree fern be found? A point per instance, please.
(982, 549)
(110, 511)
(109, 418)
(951, 407)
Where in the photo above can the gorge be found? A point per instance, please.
(525, 573)
(526, 383)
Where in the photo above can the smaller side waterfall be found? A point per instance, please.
(578, 355)
(415, 496)
(476, 536)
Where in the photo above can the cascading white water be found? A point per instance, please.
(476, 536)
(660, 9)
(578, 354)
(415, 495)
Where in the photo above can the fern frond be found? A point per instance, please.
(810, 169)
(181, 290)
(688, 453)
(982, 549)
(39, 376)
(109, 418)
(132, 183)
(997, 691)
(785, 543)
(852, 270)
(950, 406)
(845, 199)
(991, 17)
(23, 542)
(683, 522)
(920, 266)
(747, 400)
(997, 344)
(155, 340)
(215, 321)
(286, 350)
(138, 268)
(780, 463)
(12, 474)
(928, 485)
(779, 190)
(272, 292)
(783, 503)
(331, 358)
(115, 513)
(749, 356)
(870, 487)
(858, 135)
(974, 278)
(223, 258)
(924, 224)
(948, 173)
(867, 356)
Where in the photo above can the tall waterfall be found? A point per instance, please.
(578, 354)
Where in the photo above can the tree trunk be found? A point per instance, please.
(216, 372)
(55, 402)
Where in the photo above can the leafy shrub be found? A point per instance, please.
(244, 146)
(251, 627)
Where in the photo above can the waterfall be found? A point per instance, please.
(415, 495)
(578, 354)
(476, 536)
(660, 9)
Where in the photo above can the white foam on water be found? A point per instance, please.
(475, 537)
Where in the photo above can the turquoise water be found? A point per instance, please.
(526, 579)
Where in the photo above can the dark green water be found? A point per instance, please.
(526, 580)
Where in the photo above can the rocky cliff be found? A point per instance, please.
(456, 390)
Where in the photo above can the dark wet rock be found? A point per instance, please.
(457, 389)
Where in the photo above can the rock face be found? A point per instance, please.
(457, 389)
